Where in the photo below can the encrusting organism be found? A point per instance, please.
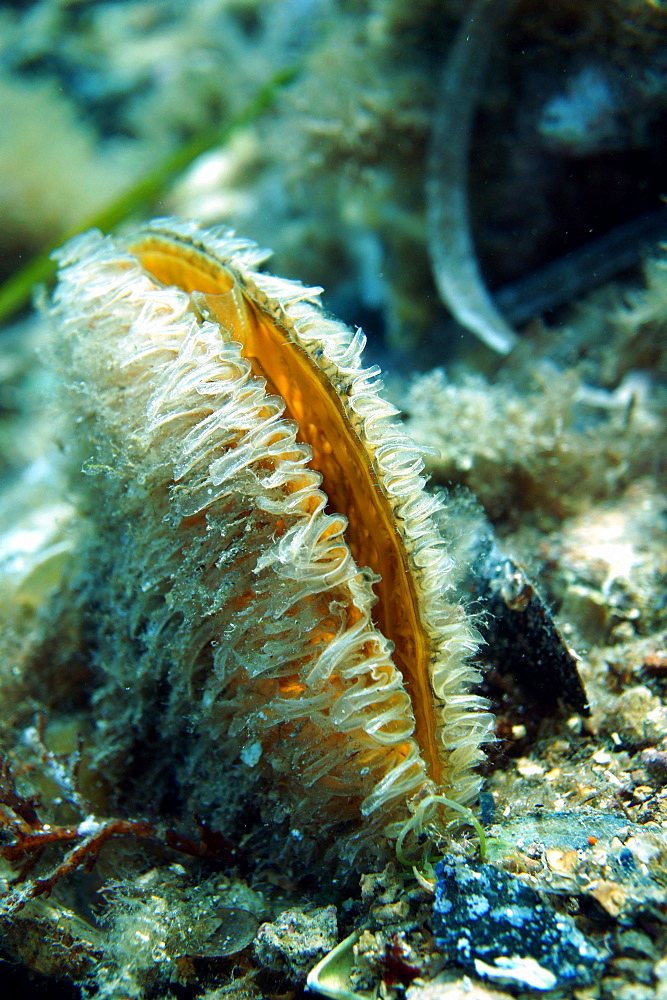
(260, 571)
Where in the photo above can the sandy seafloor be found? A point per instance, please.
(562, 441)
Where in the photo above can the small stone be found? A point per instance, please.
(634, 969)
(655, 664)
(391, 913)
(637, 943)
(296, 941)
(639, 718)
(655, 764)
(520, 863)
(529, 768)
(632, 991)
(660, 973)
(610, 896)
(562, 862)
(381, 887)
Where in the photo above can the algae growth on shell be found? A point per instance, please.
(259, 566)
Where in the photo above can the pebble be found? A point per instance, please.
(296, 941)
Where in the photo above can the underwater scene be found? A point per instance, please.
(333, 538)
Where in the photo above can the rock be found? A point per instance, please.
(494, 925)
(296, 941)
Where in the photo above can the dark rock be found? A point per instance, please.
(495, 926)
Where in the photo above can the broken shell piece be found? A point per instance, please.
(331, 975)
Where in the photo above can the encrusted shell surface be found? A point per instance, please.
(261, 572)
